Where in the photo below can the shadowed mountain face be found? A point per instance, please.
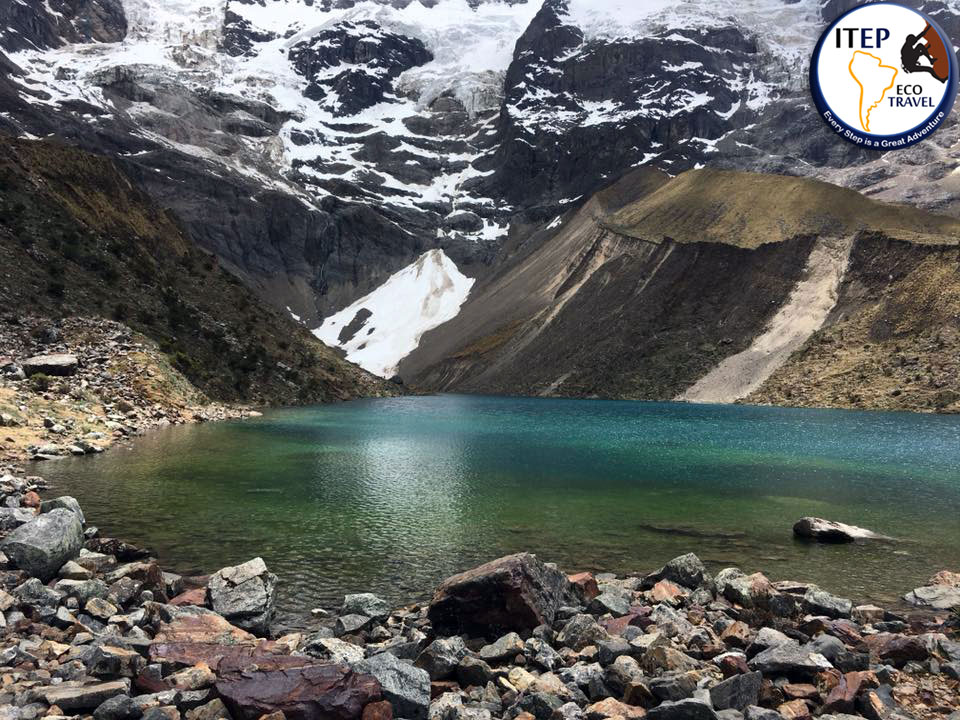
(319, 148)
(84, 241)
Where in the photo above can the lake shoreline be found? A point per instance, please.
(514, 638)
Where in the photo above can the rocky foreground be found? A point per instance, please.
(91, 626)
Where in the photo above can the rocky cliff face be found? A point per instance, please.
(318, 148)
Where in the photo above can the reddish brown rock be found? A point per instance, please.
(733, 665)
(585, 585)
(30, 500)
(896, 649)
(736, 635)
(846, 631)
(198, 636)
(795, 710)
(800, 691)
(514, 593)
(196, 596)
(668, 592)
(842, 698)
(616, 626)
(381, 710)
(310, 692)
(611, 708)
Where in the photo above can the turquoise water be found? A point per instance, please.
(391, 496)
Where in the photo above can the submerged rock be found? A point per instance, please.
(828, 531)
(246, 595)
(43, 545)
(517, 592)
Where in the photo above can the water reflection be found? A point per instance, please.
(394, 495)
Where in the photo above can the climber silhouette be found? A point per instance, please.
(926, 45)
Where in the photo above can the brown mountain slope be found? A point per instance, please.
(78, 239)
(644, 297)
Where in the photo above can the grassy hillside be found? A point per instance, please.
(748, 210)
(78, 239)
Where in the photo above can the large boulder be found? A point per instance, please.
(43, 545)
(828, 531)
(304, 692)
(517, 593)
(405, 686)
(58, 365)
(245, 594)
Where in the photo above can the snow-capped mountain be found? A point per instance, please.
(318, 147)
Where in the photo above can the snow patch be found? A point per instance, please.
(381, 329)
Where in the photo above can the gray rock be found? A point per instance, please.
(788, 659)
(610, 650)
(540, 704)
(673, 686)
(365, 604)
(350, 624)
(60, 365)
(820, 602)
(828, 646)
(64, 501)
(86, 697)
(737, 692)
(441, 658)
(507, 647)
(43, 545)
(687, 570)
(541, 653)
(682, 710)
(246, 595)
(328, 648)
(119, 707)
(580, 631)
(767, 637)
(464, 222)
(938, 597)
(11, 518)
(473, 671)
(729, 714)
(406, 687)
(83, 590)
(614, 600)
(755, 712)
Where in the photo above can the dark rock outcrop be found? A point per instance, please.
(517, 592)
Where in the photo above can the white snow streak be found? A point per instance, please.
(414, 300)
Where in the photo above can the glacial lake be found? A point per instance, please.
(391, 496)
